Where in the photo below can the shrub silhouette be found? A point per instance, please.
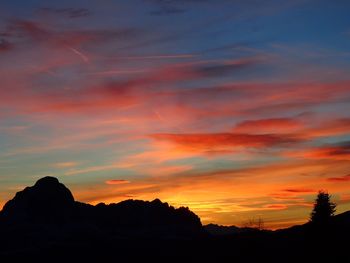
(323, 209)
(257, 224)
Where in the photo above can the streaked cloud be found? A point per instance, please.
(117, 182)
(66, 12)
(344, 178)
(66, 164)
(298, 190)
(278, 125)
(338, 151)
(222, 141)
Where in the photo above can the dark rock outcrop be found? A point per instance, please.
(47, 201)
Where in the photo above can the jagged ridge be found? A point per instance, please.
(49, 202)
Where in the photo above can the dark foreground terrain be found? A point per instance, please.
(44, 223)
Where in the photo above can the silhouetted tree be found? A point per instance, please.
(323, 209)
(258, 224)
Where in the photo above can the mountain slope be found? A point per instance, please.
(219, 230)
(44, 223)
(49, 203)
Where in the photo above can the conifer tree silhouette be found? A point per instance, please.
(323, 209)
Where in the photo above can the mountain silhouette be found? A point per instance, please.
(48, 200)
(219, 230)
(44, 223)
(50, 203)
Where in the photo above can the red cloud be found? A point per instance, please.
(268, 125)
(101, 97)
(331, 152)
(218, 140)
(5, 45)
(115, 182)
(345, 178)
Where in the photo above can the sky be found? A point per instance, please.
(236, 109)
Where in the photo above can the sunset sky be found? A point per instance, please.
(237, 109)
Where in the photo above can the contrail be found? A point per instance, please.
(81, 55)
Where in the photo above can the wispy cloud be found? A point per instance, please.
(217, 141)
(344, 178)
(339, 151)
(66, 12)
(277, 125)
(298, 190)
(117, 182)
(66, 164)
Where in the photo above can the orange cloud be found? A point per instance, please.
(330, 128)
(277, 206)
(285, 197)
(299, 190)
(117, 182)
(65, 164)
(336, 152)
